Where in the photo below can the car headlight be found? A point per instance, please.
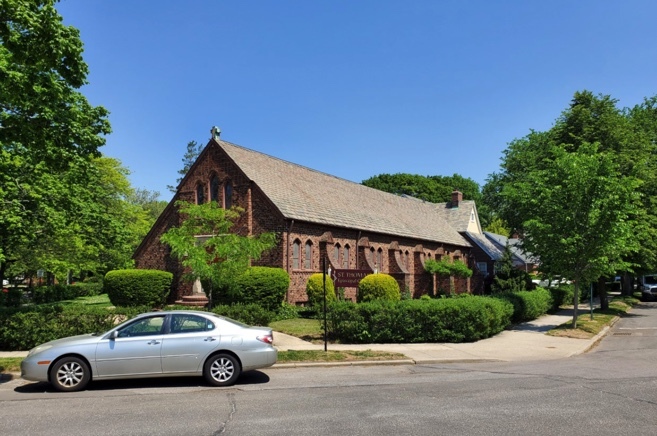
(38, 349)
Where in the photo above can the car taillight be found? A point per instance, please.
(267, 339)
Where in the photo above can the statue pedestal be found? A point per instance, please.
(198, 297)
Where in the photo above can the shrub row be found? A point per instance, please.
(25, 328)
(443, 320)
(52, 294)
(527, 305)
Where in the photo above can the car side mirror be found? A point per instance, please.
(114, 334)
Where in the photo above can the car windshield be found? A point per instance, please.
(650, 280)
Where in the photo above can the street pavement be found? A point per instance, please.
(523, 342)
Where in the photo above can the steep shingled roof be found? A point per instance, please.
(457, 217)
(304, 194)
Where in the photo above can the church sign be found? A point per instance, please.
(348, 278)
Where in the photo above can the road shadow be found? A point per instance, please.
(248, 378)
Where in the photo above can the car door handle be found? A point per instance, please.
(209, 339)
(153, 342)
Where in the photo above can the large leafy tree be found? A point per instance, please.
(49, 132)
(576, 211)
(206, 246)
(436, 189)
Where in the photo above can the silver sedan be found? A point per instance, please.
(154, 344)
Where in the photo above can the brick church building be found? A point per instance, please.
(315, 216)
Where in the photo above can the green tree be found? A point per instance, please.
(193, 151)
(575, 210)
(436, 189)
(47, 127)
(508, 278)
(206, 247)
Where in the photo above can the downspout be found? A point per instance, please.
(357, 250)
(287, 257)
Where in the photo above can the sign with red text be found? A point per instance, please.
(348, 278)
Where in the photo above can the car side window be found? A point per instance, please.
(143, 327)
(184, 323)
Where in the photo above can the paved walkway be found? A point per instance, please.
(522, 342)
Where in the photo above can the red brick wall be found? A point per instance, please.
(261, 216)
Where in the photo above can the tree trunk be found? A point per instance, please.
(575, 304)
(602, 293)
(626, 284)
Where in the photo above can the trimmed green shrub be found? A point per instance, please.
(11, 297)
(562, 295)
(436, 320)
(315, 289)
(262, 285)
(252, 314)
(138, 287)
(26, 327)
(378, 287)
(287, 311)
(527, 305)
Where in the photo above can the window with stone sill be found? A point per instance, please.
(296, 247)
(308, 256)
(200, 194)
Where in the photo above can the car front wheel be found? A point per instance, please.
(222, 370)
(70, 374)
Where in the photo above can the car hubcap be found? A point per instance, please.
(222, 369)
(70, 374)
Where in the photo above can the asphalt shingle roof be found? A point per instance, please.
(304, 194)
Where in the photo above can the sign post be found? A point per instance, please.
(324, 284)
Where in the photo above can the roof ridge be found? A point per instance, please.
(296, 164)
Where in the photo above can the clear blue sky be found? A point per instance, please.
(353, 88)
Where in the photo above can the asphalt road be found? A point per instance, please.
(611, 390)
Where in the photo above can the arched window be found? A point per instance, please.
(228, 194)
(379, 259)
(214, 188)
(296, 247)
(336, 254)
(408, 260)
(308, 259)
(345, 257)
(200, 194)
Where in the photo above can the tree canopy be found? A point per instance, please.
(63, 206)
(206, 246)
(574, 192)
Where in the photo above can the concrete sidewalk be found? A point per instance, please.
(523, 342)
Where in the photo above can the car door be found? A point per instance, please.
(136, 349)
(190, 339)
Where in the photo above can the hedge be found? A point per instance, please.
(262, 285)
(25, 328)
(52, 294)
(408, 321)
(251, 314)
(378, 287)
(527, 305)
(138, 287)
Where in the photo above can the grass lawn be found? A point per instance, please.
(306, 329)
(101, 300)
(10, 364)
(587, 327)
(335, 356)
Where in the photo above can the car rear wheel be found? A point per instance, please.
(70, 374)
(221, 370)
